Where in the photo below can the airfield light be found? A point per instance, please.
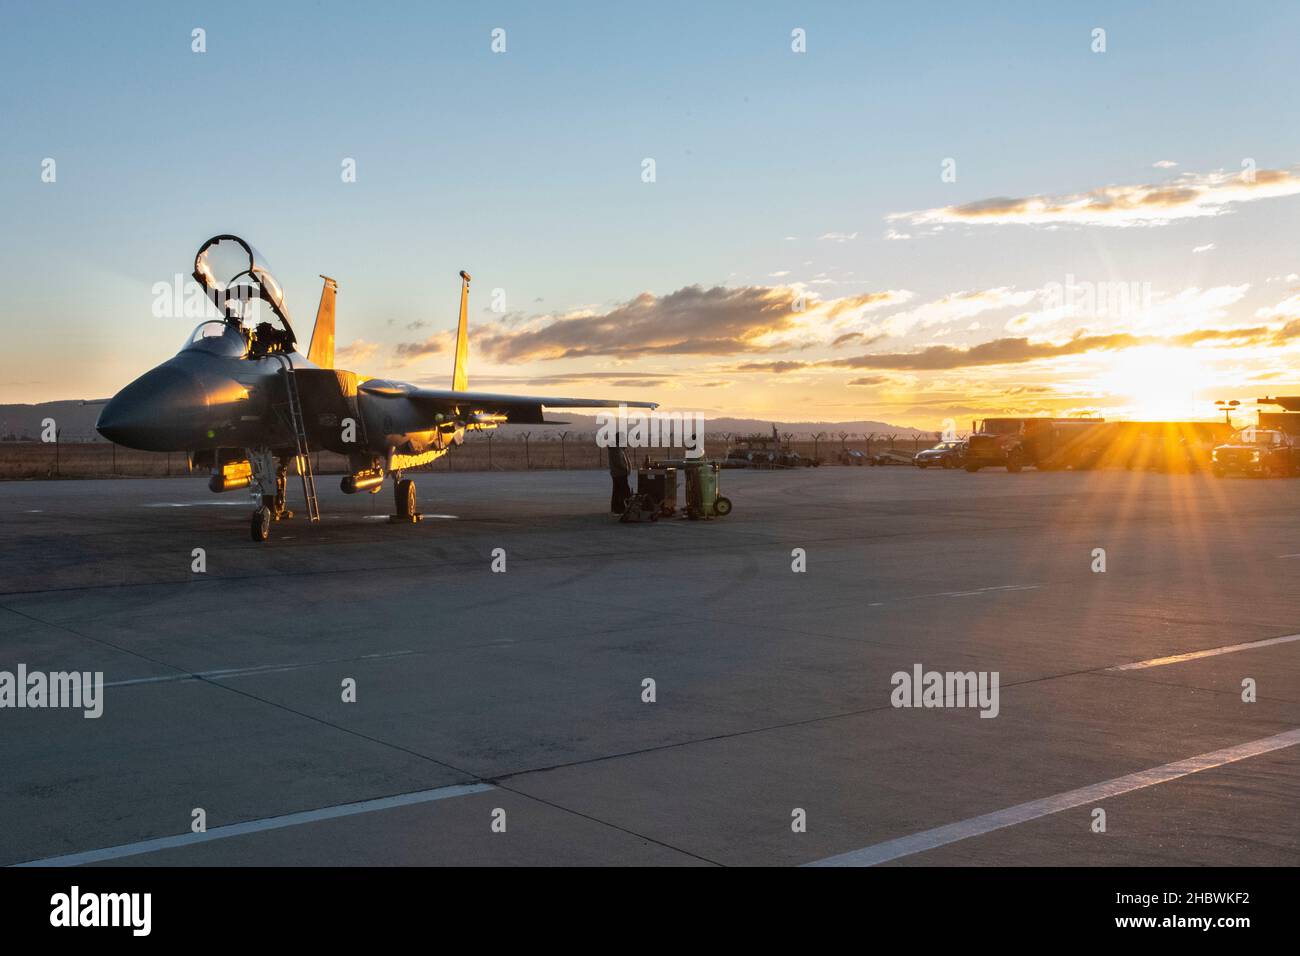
(1227, 407)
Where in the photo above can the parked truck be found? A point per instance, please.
(1170, 446)
(1257, 451)
(1048, 444)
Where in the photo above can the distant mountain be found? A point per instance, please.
(749, 426)
(745, 426)
(76, 422)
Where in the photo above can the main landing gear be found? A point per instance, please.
(404, 502)
(272, 506)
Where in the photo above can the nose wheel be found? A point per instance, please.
(260, 526)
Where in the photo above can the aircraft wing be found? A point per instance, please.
(518, 409)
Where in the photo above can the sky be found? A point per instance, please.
(931, 211)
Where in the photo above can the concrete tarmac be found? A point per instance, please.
(516, 698)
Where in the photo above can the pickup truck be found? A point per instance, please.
(1255, 451)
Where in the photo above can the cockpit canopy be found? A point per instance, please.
(218, 336)
(237, 279)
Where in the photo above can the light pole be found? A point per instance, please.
(1227, 407)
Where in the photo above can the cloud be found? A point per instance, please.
(1205, 248)
(357, 352)
(691, 321)
(1131, 306)
(1189, 196)
(1288, 308)
(870, 380)
(407, 352)
(1004, 351)
(954, 307)
(629, 378)
(778, 367)
(1164, 164)
(839, 236)
(1016, 350)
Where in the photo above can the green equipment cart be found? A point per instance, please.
(702, 498)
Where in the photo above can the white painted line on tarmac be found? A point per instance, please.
(254, 669)
(1000, 587)
(259, 826)
(1024, 812)
(422, 515)
(989, 590)
(199, 504)
(1209, 652)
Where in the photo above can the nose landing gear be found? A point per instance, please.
(281, 511)
(260, 526)
(273, 507)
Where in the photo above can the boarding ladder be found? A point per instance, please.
(299, 427)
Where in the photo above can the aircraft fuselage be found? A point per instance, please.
(197, 400)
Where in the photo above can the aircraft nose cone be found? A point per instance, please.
(156, 412)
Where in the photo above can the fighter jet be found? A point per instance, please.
(241, 400)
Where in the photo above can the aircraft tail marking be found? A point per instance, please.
(459, 374)
(322, 336)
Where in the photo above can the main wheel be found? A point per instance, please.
(404, 494)
(722, 506)
(260, 526)
(972, 468)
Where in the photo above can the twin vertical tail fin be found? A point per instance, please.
(321, 352)
(459, 374)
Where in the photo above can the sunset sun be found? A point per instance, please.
(1157, 382)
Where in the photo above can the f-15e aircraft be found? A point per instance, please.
(241, 400)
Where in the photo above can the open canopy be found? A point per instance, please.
(236, 276)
